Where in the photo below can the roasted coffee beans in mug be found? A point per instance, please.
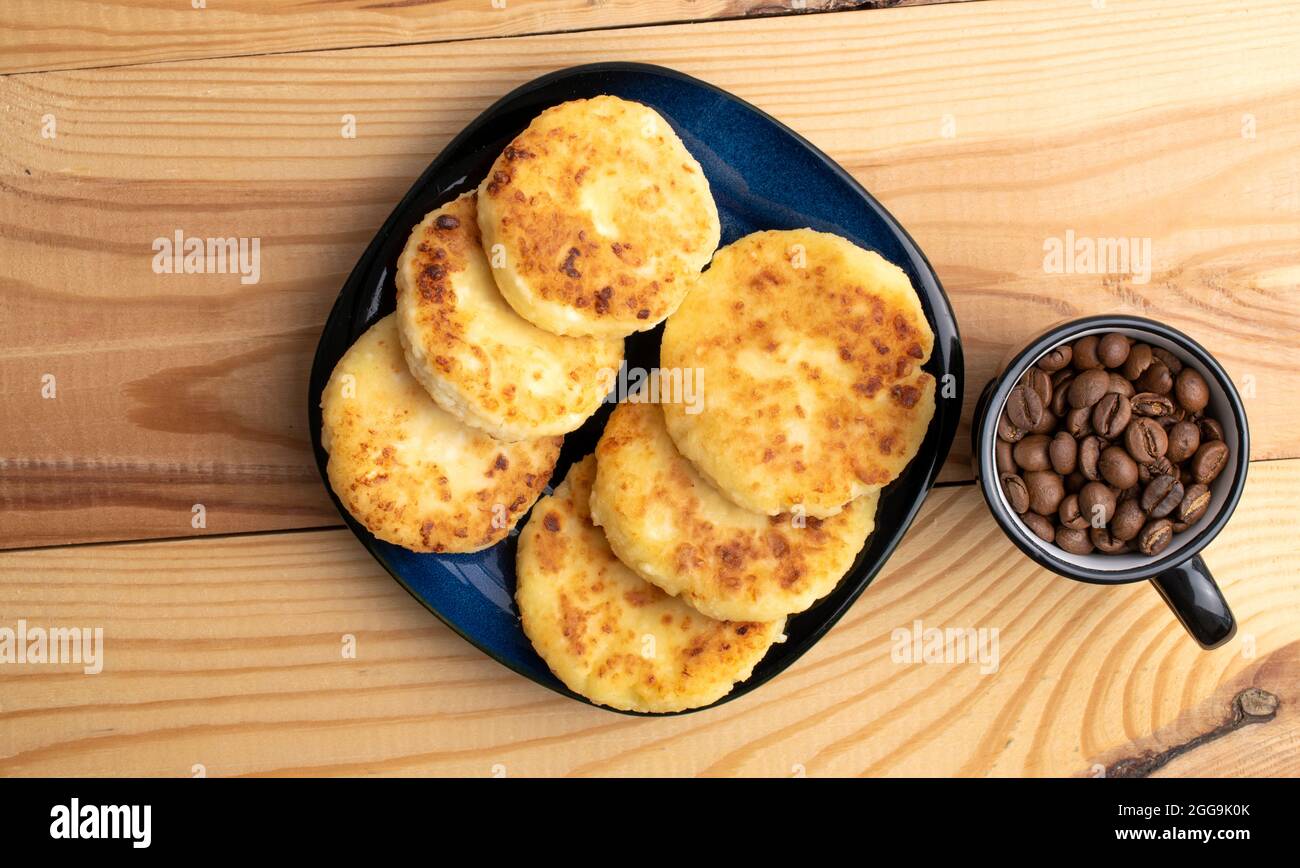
(1104, 446)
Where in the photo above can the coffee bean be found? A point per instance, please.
(1090, 457)
(1106, 542)
(1117, 467)
(1016, 491)
(1042, 527)
(1172, 419)
(1210, 430)
(1160, 467)
(1088, 387)
(1008, 431)
(1155, 536)
(1110, 415)
(1168, 359)
(1209, 461)
(1151, 404)
(1041, 382)
(1184, 440)
(1145, 440)
(1069, 514)
(1056, 359)
(1192, 391)
(1060, 399)
(1162, 496)
(1046, 491)
(1156, 378)
(1031, 453)
(1076, 542)
(1063, 452)
(1078, 423)
(1120, 386)
(1004, 456)
(1024, 408)
(1194, 504)
(1155, 490)
(1103, 446)
(1112, 350)
(1128, 519)
(1085, 353)
(1097, 503)
(1139, 359)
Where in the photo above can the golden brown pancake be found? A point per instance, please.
(596, 218)
(481, 361)
(813, 391)
(412, 473)
(610, 635)
(679, 533)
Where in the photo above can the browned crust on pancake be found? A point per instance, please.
(474, 354)
(588, 615)
(871, 402)
(534, 189)
(412, 497)
(724, 560)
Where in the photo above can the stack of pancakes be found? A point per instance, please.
(657, 575)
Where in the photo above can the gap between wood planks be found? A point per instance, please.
(952, 483)
(767, 10)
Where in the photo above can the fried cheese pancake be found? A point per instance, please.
(610, 635)
(676, 531)
(481, 361)
(596, 218)
(812, 349)
(409, 471)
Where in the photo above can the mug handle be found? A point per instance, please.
(1191, 593)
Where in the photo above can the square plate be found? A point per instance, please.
(763, 176)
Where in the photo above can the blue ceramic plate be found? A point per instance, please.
(763, 176)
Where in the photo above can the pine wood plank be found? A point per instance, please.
(226, 653)
(177, 390)
(42, 35)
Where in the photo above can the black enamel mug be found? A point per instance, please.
(1178, 573)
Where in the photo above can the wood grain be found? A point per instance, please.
(182, 389)
(227, 653)
(39, 35)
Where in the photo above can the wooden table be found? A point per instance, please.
(129, 397)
